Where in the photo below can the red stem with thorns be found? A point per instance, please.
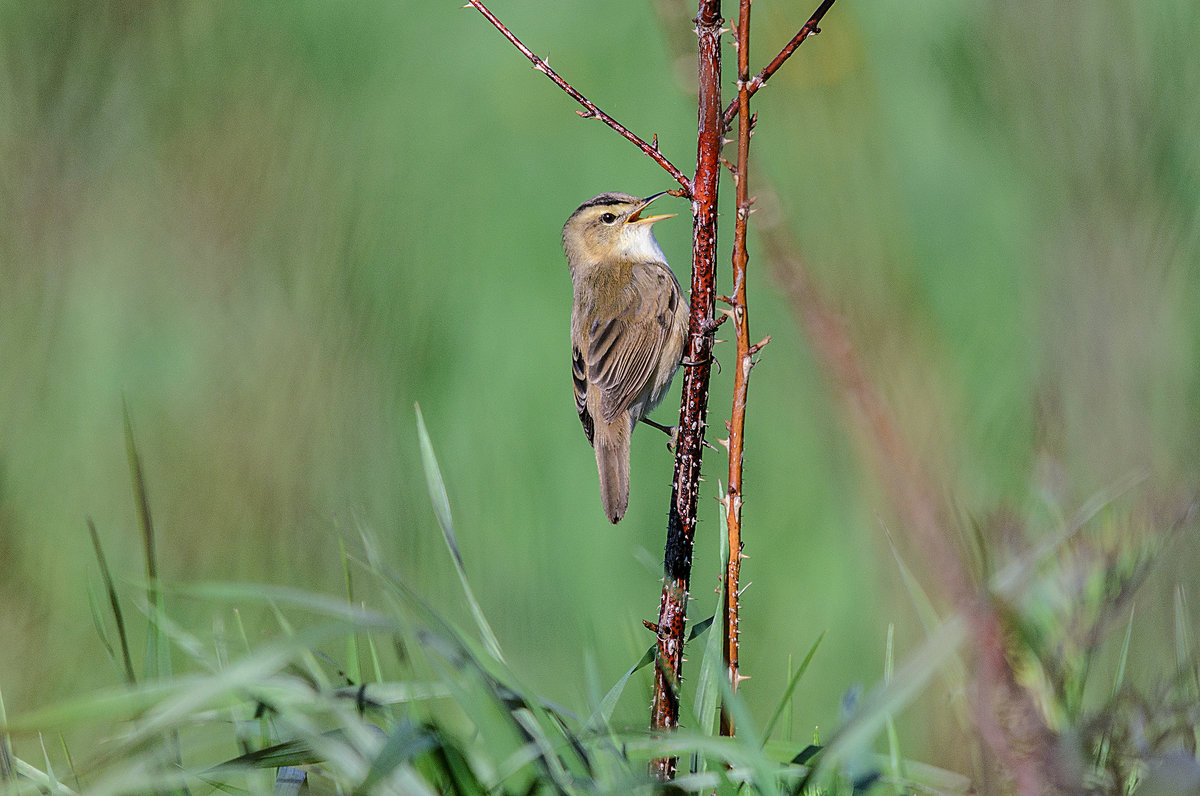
(702, 189)
(590, 111)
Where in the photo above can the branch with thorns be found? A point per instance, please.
(702, 190)
(590, 110)
(810, 28)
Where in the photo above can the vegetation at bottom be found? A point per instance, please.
(376, 691)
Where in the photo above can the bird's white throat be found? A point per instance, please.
(640, 244)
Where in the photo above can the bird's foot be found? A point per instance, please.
(670, 431)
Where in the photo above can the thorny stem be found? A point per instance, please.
(745, 361)
(762, 77)
(702, 190)
(590, 110)
(681, 523)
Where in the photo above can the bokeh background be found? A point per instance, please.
(273, 227)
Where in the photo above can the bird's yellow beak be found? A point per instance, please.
(635, 217)
(651, 219)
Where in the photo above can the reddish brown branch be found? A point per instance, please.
(741, 376)
(693, 411)
(590, 110)
(810, 27)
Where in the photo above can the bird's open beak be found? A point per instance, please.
(635, 217)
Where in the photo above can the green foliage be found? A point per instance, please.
(445, 715)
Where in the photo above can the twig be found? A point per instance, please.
(590, 110)
(693, 411)
(741, 376)
(762, 77)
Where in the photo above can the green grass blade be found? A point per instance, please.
(791, 686)
(712, 663)
(1119, 679)
(52, 780)
(6, 752)
(895, 758)
(114, 603)
(353, 667)
(1183, 633)
(441, 508)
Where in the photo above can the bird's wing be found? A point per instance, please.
(579, 383)
(624, 350)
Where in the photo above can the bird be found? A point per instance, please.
(628, 327)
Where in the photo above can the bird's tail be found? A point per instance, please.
(612, 460)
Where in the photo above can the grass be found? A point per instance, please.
(412, 704)
(376, 691)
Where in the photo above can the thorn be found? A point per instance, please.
(742, 590)
(654, 142)
(724, 443)
(741, 677)
(754, 349)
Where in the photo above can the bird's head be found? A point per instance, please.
(611, 227)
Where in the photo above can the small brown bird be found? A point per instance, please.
(628, 326)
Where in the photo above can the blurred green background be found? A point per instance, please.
(273, 227)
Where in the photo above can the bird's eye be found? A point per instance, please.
(608, 218)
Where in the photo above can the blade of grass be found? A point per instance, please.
(158, 647)
(895, 758)
(1118, 680)
(1183, 633)
(49, 770)
(441, 508)
(353, 670)
(62, 741)
(113, 601)
(6, 752)
(158, 658)
(789, 712)
(791, 686)
(704, 706)
(101, 632)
